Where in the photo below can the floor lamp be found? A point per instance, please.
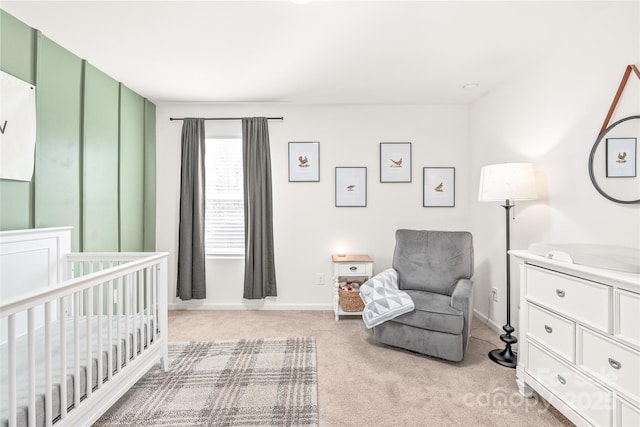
(507, 182)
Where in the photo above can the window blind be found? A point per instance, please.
(224, 204)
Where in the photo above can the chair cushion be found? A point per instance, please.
(433, 312)
(432, 261)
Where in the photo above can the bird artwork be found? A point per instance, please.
(351, 187)
(304, 162)
(439, 188)
(396, 163)
(622, 157)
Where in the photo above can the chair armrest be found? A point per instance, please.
(462, 299)
(462, 294)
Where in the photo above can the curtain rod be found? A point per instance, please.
(226, 118)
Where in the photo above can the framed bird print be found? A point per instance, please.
(351, 187)
(395, 162)
(621, 157)
(304, 162)
(439, 187)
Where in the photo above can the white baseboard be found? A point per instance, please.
(490, 323)
(258, 305)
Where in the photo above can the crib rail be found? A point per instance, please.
(116, 301)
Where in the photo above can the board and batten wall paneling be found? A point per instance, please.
(95, 149)
(100, 163)
(17, 57)
(149, 176)
(58, 153)
(131, 170)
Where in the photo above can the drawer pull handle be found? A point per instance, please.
(548, 329)
(615, 364)
(561, 380)
(353, 268)
(560, 293)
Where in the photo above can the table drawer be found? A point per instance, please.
(354, 268)
(627, 321)
(582, 300)
(593, 402)
(610, 361)
(555, 332)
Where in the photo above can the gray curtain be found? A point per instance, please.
(191, 257)
(259, 268)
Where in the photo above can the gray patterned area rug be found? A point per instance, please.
(252, 382)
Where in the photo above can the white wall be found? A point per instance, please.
(308, 226)
(551, 114)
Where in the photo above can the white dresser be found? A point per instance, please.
(579, 333)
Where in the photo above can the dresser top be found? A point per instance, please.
(624, 280)
(609, 257)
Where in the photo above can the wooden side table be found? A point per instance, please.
(349, 267)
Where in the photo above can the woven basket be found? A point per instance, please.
(350, 300)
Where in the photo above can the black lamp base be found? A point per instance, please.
(506, 357)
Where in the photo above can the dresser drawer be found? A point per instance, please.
(593, 402)
(354, 268)
(583, 300)
(555, 332)
(627, 414)
(612, 362)
(627, 320)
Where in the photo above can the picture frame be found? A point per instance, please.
(621, 157)
(395, 162)
(304, 161)
(351, 186)
(439, 187)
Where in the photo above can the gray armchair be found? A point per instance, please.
(435, 269)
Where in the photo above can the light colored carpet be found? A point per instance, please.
(362, 383)
(257, 382)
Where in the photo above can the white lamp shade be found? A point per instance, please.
(507, 181)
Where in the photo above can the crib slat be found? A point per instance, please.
(140, 314)
(63, 356)
(31, 355)
(109, 330)
(99, 333)
(76, 349)
(48, 365)
(88, 336)
(154, 302)
(119, 313)
(147, 299)
(127, 318)
(134, 316)
(11, 365)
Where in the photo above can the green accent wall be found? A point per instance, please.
(100, 136)
(17, 57)
(58, 150)
(95, 149)
(131, 170)
(149, 176)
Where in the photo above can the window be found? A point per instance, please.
(224, 204)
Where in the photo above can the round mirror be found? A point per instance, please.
(612, 164)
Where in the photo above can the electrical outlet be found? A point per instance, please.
(320, 279)
(494, 294)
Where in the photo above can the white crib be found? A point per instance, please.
(77, 330)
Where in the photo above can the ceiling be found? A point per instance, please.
(323, 52)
